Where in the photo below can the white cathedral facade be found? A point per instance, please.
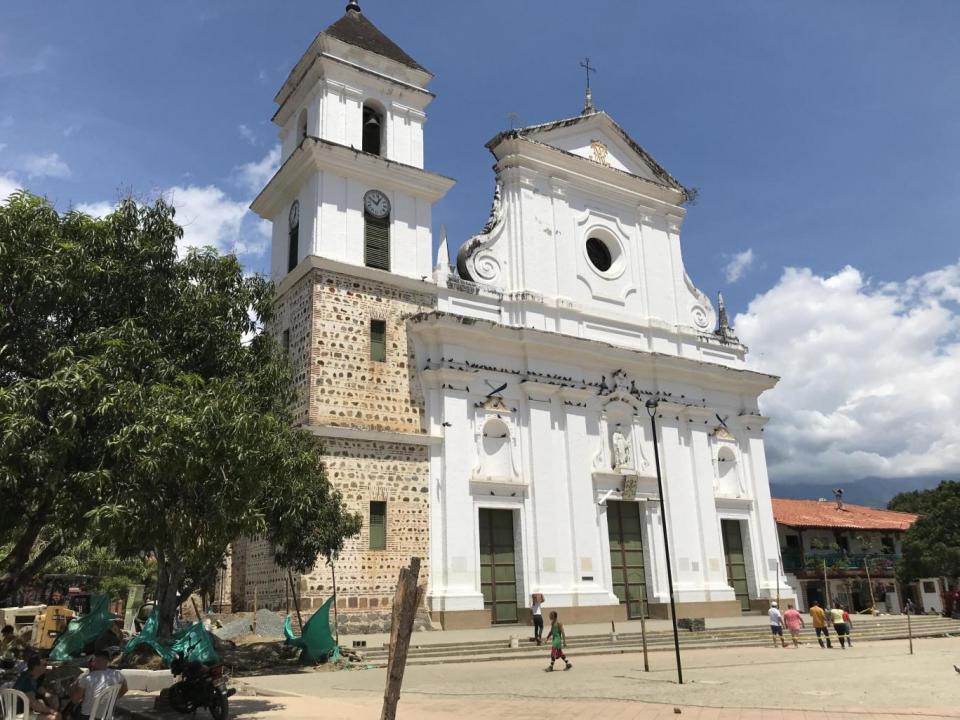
(490, 414)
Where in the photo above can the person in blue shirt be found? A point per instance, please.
(29, 684)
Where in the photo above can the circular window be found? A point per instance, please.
(599, 254)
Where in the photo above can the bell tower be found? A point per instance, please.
(351, 257)
(352, 186)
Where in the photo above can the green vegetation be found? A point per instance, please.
(141, 406)
(931, 548)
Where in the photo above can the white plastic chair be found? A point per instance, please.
(103, 703)
(8, 704)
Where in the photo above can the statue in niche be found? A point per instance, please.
(622, 455)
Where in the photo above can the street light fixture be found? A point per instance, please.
(652, 411)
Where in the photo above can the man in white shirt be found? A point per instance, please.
(100, 676)
(776, 624)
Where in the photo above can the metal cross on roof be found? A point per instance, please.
(586, 66)
(588, 102)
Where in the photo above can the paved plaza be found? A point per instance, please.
(871, 680)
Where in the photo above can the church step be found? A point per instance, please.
(632, 642)
(525, 633)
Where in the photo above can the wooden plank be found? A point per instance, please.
(405, 603)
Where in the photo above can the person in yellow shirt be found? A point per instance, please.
(819, 618)
(839, 625)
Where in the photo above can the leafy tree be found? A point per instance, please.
(931, 547)
(162, 407)
(111, 572)
(66, 284)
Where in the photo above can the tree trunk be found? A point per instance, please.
(169, 577)
(14, 578)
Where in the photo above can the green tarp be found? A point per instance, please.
(193, 642)
(316, 641)
(83, 631)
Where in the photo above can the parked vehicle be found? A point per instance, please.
(200, 686)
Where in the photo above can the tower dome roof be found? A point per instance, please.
(355, 29)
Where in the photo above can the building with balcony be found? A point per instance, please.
(837, 553)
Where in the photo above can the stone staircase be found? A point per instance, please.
(864, 629)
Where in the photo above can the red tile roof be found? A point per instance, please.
(813, 513)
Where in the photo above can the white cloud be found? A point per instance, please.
(247, 134)
(738, 265)
(870, 374)
(96, 209)
(211, 217)
(2, 146)
(6, 121)
(8, 183)
(208, 217)
(70, 130)
(254, 175)
(49, 165)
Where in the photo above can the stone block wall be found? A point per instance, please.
(292, 325)
(256, 581)
(365, 471)
(325, 319)
(348, 389)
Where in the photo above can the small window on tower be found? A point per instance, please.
(378, 525)
(378, 340)
(293, 237)
(302, 126)
(372, 130)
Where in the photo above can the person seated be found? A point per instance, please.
(11, 646)
(29, 684)
(100, 676)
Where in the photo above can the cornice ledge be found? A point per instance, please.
(442, 375)
(537, 390)
(752, 420)
(575, 394)
(348, 433)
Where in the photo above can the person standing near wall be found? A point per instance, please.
(536, 610)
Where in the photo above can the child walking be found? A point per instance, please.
(558, 639)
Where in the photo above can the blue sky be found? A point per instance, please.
(820, 135)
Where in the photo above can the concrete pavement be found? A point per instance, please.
(871, 679)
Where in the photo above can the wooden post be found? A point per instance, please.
(256, 604)
(909, 631)
(336, 622)
(778, 581)
(196, 610)
(643, 630)
(405, 603)
(873, 600)
(296, 601)
(826, 585)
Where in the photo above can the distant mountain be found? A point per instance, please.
(873, 492)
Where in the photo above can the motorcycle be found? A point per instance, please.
(200, 686)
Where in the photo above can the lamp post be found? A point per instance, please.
(652, 411)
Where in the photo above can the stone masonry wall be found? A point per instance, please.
(366, 470)
(325, 318)
(257, 582)
(294, 320)
(348, 389)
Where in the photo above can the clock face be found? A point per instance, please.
(294, 213)
(376, 203)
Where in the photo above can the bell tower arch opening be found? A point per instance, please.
(373, 129)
